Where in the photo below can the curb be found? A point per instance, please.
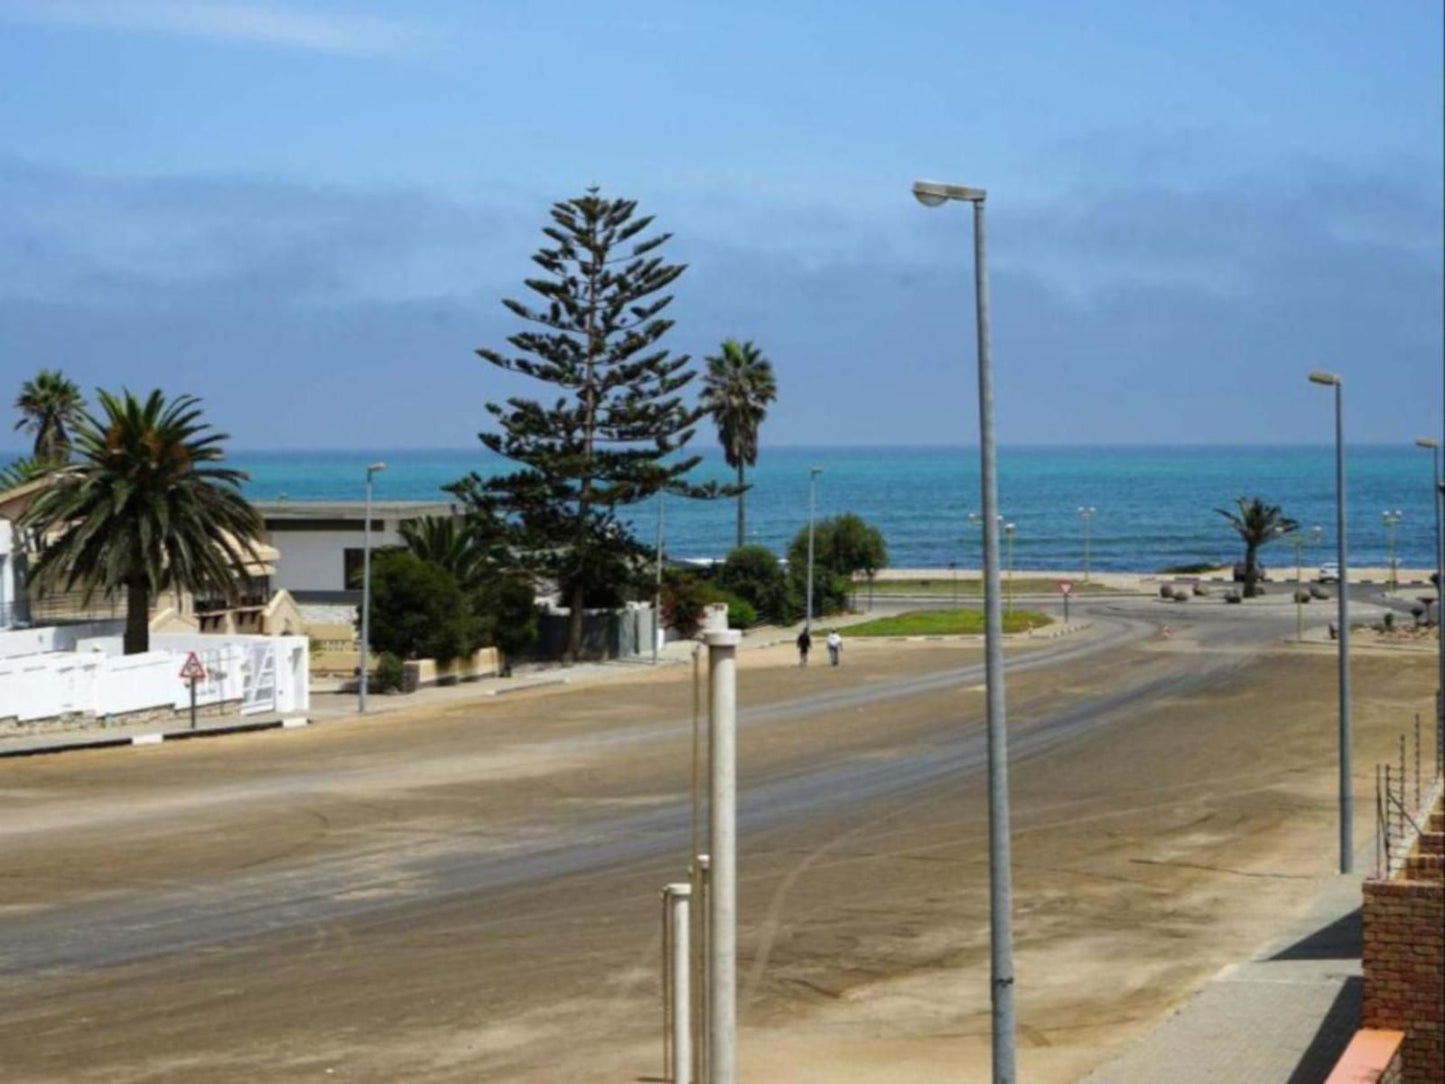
(158, 737)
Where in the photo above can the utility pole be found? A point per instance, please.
(371, 472)
(812, 511)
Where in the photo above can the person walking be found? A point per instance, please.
(835, 647)
(804, 643)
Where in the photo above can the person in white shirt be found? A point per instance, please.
(835, 647)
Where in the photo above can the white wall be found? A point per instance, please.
(96, 679)
(7, 573)
(54, 637)
(313, 560)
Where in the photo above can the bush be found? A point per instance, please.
(1233, 596)
(753, 575)
(1389, 620)
(390, 674)
(1301, 595)
(843, 547)
(418, 611)
(1200, 589)
(683, 597)
(741, 614)
(1166, 590)
(1181, 594)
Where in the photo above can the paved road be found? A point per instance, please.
(160, 869)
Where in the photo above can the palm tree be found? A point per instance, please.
(49, 406)
(449, 543)
(144, 509)
(737, 389)
(1258, 524)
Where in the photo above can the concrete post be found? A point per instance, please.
(679, 905)
(722, 854)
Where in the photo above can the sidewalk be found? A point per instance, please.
(1282, 1017)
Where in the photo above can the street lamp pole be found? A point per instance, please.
(813, 473)
(1008, 530)
(1087, 515)
(657, 585)
(372, 471)
(999, 856)
(1439, 499)
(1391, 520)
(1347, 799)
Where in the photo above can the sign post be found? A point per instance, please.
(193, 671)
(1065, 589)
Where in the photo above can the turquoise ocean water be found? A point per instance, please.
(1155, 505)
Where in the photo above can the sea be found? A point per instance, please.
(1154, 507)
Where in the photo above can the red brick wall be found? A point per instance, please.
(1404, 988)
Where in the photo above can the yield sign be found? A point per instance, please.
(1065, 587)
(193, 670)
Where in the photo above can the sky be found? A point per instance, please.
(308, 212)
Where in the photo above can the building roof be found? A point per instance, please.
(289, 509)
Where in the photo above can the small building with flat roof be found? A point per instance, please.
(319, 543)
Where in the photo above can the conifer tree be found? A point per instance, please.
(613, 433)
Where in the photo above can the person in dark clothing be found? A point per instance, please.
(804, 643)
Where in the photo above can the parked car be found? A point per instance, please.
(1329, 572)
(1239, 571)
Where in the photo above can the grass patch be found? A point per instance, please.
(944, 623)
(943, 586)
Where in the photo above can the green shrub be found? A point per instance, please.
(754, 575)
(683, 597)
(418, 611)
(741, 614)
(390, 674)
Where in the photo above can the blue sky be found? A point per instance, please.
(307, 212)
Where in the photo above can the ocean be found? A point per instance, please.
(1155, 506)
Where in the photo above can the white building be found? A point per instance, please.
(319, 543)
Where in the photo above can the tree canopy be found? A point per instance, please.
(1257, 524)
(50, 405)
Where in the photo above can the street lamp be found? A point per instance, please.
(1347, 800)
(657, 586)
(1008, 530)
(1087, 515)
(813, 473)
(1391, 520)
(932, 194)
(1433, 446)
(1299, 541)
(372, 471)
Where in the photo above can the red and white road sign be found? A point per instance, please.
(193, 670)
(1065, 587)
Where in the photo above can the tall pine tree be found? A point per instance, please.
(612, 435)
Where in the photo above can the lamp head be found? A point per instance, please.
(375, 468)
(936, 194)
(1325, 377)
(1427, 442)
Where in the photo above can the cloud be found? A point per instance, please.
(349, 34)
(347, 315)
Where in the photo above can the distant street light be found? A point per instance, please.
(1299, 541)
(371, 472)
(1087, 515)
(933, 194)
(1008, 530)
(1347, 799)
(1391, 520)
(1433, 446)
(813, 473)
(657, 586)
(953, 569)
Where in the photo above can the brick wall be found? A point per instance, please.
(1404, 983)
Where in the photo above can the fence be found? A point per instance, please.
(1404, 792)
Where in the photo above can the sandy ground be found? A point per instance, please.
(1169, 837)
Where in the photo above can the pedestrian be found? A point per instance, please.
(835, 647)
(804, 643)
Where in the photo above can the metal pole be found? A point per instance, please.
(812, 507)
(1299, 606)
(722, 852)
(657, 586)
(679, 902)
(999, 856)
(365, 597)
(1439, 592)
(193, 701)
(1347, 800)
(1008, 532)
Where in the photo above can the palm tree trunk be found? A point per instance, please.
(137, 638)
(742, 511)
(1251, 572)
